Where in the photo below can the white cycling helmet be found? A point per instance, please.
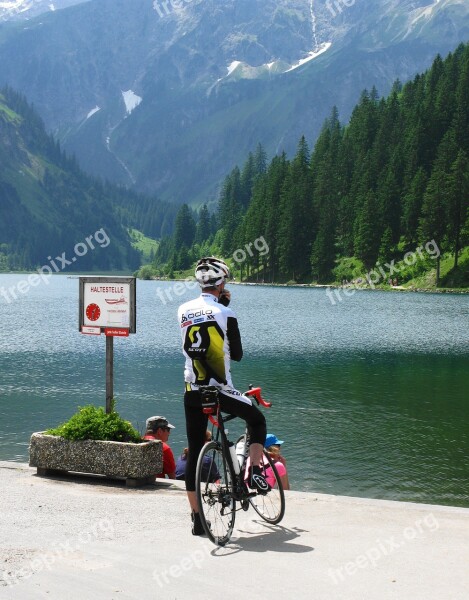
(211, 271)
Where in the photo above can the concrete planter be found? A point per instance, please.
(136, 463)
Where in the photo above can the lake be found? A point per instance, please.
(370, 394)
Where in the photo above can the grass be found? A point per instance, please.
(421, 275)
(147, 246)
(450, 278)
(8, 113)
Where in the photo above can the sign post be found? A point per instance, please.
(109, 305)
(109, 372)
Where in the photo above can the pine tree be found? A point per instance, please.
(276, 176)
(389, 202)
(203, 229)
(386, 245)
(461, 118)
(323, 252)
(367, 239)
(260, 160)
(296, 226)
(184, 230)
(434, 213)
(247, 180)
(326, 196)
(230, 210)
(412, 206)
(458, 201)
(254, 223)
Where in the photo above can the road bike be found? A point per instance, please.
(222, 485)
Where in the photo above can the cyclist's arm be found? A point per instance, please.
(234, 339)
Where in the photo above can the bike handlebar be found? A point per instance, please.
(253, 393)
(256, 394)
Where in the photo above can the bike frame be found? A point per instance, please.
(241, 492)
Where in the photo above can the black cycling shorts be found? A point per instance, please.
(196, 426)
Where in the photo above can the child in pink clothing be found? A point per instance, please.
(272, 446)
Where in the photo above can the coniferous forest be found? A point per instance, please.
(395, 177)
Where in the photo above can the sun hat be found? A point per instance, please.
(272, 440)
(157, 422)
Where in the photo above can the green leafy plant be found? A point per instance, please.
(92, 423)
(349, 268)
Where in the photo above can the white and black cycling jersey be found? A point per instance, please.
(210, 339)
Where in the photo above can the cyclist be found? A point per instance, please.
(210, 338)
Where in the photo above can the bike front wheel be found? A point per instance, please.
(215, 494)
(271, 506)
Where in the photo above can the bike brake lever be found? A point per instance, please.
(256, 394)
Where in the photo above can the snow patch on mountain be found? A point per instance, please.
(131, 100)
(241, 70)
(93, 111)
(311, 56)
(232, 67)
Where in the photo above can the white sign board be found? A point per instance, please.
(107, 302)
(106, 305)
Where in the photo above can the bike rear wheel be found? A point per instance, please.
(271, 506)
(214, 487)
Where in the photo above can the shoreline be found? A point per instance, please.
(179, 486)
(330, 286)
(22, 464)
(336, 285)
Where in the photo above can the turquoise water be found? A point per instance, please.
(370, 395)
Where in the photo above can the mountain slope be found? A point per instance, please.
(48, 205)
(137, 91)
